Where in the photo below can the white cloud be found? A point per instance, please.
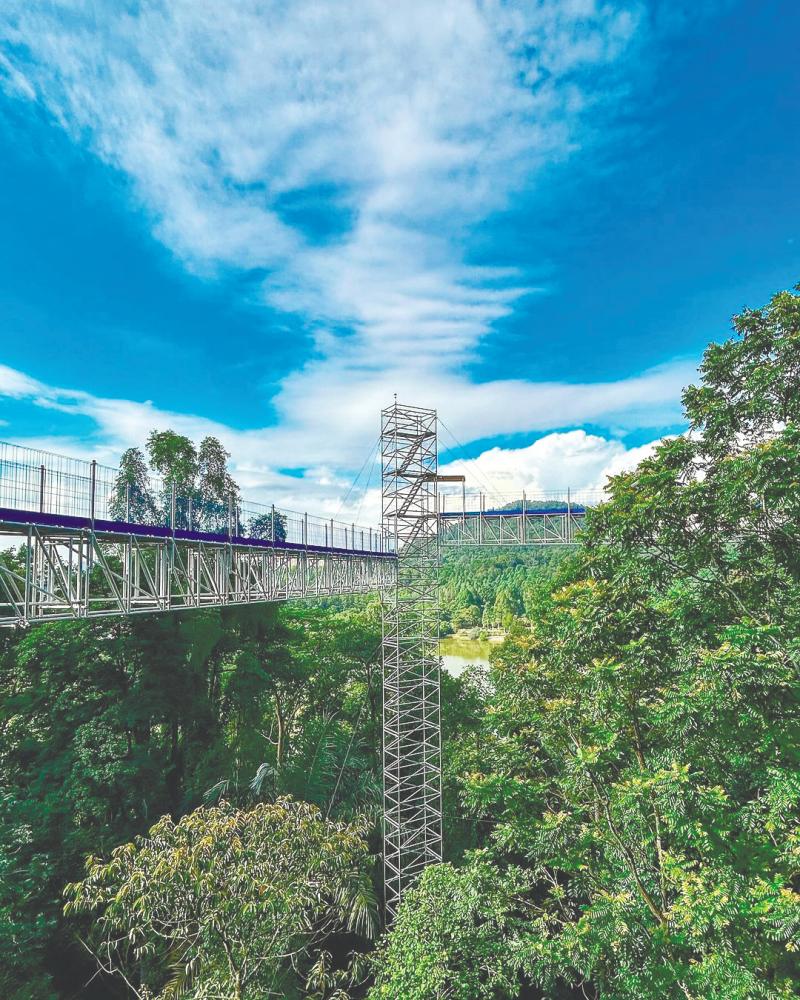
(16, 385)
(417, 121)
(555, 461)
(571, 460)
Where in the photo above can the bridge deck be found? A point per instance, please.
(16, 522)
(74, 567)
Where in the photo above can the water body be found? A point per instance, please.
(457, 654)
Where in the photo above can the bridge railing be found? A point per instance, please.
(457, 503)
(43, 483)
(551, 518)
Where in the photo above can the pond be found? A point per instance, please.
(458, 653)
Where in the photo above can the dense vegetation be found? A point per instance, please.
(637, 762)
(107, 726)
(492, 588)
(622, 790)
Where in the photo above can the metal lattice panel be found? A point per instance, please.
(411, 681)
(84, 574)
(510, 529)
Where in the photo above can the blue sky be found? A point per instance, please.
(262, 224)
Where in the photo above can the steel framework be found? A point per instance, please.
(554, 518)
(80, 573)
(411, 680)
(528, 528)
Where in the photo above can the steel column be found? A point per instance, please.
(412, 835)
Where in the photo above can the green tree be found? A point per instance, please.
(215, 483)
(452, 937)
(131, 499)
(467, 617)
(174, 458)
(228, 902)
(104, 725)
(218, 496)
(269, 526)
(506, 607)
(637, 771)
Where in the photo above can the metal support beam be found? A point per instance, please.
(412, 835)
(85, 574)
(522, 528)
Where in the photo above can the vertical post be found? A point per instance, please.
(480, 520)
(93, 483)
(569, 516)
(190, 514)
(412, 818)
(272, 525)
(42, 476)
(305, 529)
(127, 503)
(172, 508)
(28, 573)
(524, 515)
(230, 516)
(352, 536)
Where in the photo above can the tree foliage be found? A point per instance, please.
(227, 903)
(271, 526)
(638, 764)
(131, 498)
(174, 458)
(490, 587)
(106, 725)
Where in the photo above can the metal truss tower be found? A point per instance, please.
(411, 682)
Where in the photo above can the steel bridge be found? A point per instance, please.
(99, 541)
(95, 541)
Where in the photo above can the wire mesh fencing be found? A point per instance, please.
(44, 483)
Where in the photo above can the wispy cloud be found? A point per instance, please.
(408, 125)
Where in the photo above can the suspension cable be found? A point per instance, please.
(488, 486)
(368, 481)
(375, 445)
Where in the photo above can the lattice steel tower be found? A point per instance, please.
(412, 756)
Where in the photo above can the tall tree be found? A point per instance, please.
(228, 902)
(218, 493)
(637, 771)
(174, 458)
(215, 483)
(131, 498)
